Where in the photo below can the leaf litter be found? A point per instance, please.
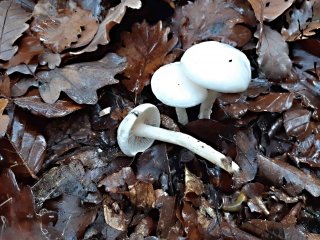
(62, 172)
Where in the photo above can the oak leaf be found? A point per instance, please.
(30, 47)
(114, 16)
(269, 9)
(146, 48)
(12, 25)
(209, 20)
(71, 28)
(79, 81)
(273, 54)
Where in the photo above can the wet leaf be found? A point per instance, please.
(73, 216)
(23, 146)
(210, 20)
(36, 106)
(272, 102)
(289, 177)
(273, 52)
(70, 28)
(146, 49)
(113, 17)
(269, 9)
(296, 121)
(12, 25)
(20, 220)
(79, 81)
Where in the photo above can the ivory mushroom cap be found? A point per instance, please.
(217, 66)
(173, 88)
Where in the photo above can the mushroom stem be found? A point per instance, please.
(206, 106)
(186, 141)
(182, 115)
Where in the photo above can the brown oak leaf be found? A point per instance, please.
(30, 47)
(79, 81)
(209, 20)
(273, 54)
(146, 48)
(269, 10)
(71, 28)
(113, 17)
(12, 25)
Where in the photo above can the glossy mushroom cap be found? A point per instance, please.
(173, 88)
(217, 66)
(129, 143)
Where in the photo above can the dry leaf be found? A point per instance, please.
(52, 59)
(79, 81)
(29, 48)
(4, 119)
(269, 9)
(209, 20)
(113, 17)
(146, 48)
(12, 25)
(59, 32)
(273, 54)
(300, 25)
(5, 86)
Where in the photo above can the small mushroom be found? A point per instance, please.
(174, 89)
(140, 128)
(218, 67)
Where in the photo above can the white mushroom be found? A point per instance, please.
(140, 128)
(218, 67)
(174, 89)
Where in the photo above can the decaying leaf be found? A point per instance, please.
(36, 106)
(68, 29)
(209, 20)
(287, 176)
(12, 25)
(269, 9)
(146, 48)
(79, 81)
(113, 17)
(142, 195)
(273, 52)
(65, 179)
